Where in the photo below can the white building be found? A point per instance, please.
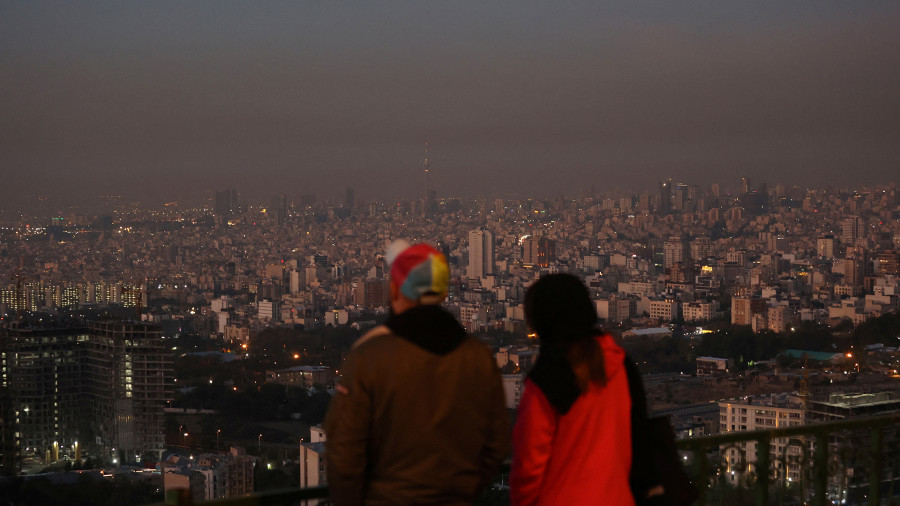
(267, 310)
(760, 413)
(313, 465)
(825, 246)
(713, 365)
(698, 311)
(317, 434)
(780, 318)
(481, 253)
(209, 481)
(675, 251)
(513, 386)
(664, 310)
(337, 317)
(648, 333)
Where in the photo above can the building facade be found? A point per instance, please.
(99, 390)
(481, 253)
(304, 376)
(761, 413)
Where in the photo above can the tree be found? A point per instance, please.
(884, 330)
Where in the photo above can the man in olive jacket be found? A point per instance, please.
(419, 415)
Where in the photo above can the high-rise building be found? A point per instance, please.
(854, 267)
(132, 381)
(665, 197)
(278, 208)
(854, 482)
(744, 309)
(46, 392)
(226, 202)
(350, 199)
(679, 197)
(429, 204)
(481, 253)
(94, 390)
(825, 246)
(701, 248)
(376, 293)
(675, 250)
(538, 251)
(888, 262)
(850, 230)
(643, 201)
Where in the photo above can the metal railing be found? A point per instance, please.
(845, 462)
(853, 461)
(283, 497)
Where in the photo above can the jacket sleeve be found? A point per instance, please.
(347, 429)
(497, 443)
(533, 437)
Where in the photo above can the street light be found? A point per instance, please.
(218, 431)
(259, 445)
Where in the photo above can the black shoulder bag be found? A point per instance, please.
(657, 477)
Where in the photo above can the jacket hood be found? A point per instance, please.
(429, 327)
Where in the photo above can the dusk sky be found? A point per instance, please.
(174, 100)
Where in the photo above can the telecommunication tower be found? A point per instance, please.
(427, 167)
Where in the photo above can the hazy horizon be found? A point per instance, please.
(172, 101)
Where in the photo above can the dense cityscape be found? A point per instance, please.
(197, 348)
(203, 204)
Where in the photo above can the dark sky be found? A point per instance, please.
(172, 100)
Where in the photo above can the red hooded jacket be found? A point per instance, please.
(582, 457)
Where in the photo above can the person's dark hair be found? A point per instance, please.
(559, 309)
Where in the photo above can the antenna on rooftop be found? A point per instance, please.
(427, 168)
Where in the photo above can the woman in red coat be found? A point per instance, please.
(572, 438)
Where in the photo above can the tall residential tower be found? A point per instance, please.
(481, 253)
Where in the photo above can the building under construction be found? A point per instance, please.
(97, 391)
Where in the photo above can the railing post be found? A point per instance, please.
(762, 470)
(820, 468)
(701, 471)
(179, 497)
(875, 469)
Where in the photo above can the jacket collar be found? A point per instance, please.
(429, 327)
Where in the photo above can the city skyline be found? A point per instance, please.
(168, 101)
(639, 200)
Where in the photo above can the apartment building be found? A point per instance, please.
(100, 389)
(761, 413)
